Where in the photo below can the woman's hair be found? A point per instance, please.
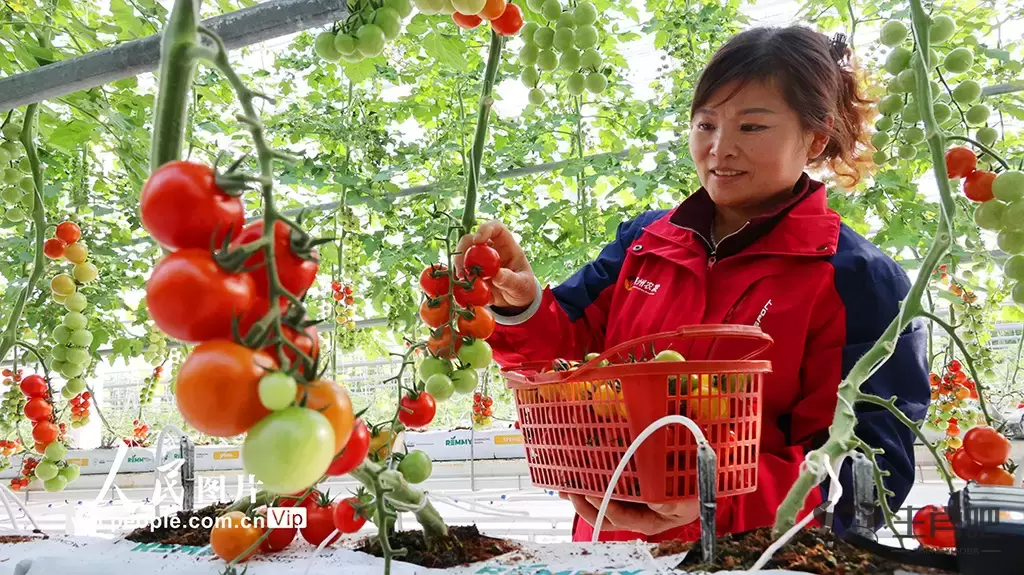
(818, 79)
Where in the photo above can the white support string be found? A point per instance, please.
(653, 427)
(835, 491)
(324, 543)
(6, 494)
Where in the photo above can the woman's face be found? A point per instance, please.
(751, 147)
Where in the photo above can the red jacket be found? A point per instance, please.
(820, 290)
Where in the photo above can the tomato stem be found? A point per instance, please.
(480, 139)
(967, 359)
(177, 66)
(841, 433)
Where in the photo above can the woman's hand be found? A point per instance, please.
(514, 286)
(649, 519)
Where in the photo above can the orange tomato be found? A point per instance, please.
(333, 402)
(382, 442)
(493, 9)
(995, 476)
(962, 392)
(217, 389)
(232, 535)
(608, 400)
(436, 315)
(443, 346)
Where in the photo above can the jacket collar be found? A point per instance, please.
(803, 225)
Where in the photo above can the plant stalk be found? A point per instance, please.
(177, 67)
(480, 139)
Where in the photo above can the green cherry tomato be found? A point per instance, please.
(370, 40)
(432, 365)
(289, 450)
(402, 7)
(591, 59)
(76, 302)
(345, 44)
(942, 112)
(277, 390)
(596, 82)
(85, 272)
(389, 20)
(55, 451)
(913, 135)
(528, 31)
(440, 386)
(465, 380)
(56, 365)
(880, 139)
(1010, 241)
(967, 92)
(942, 28)
(547, 60)
(74, 320)
(911, 113)
(469, 7)
(1009, 186)
(1018, 293)
(890, 105)
(551, 9)
(576, 84)
(324, 47)
(416, 466)
(46, 470)
(476, 355)
(1013, 216)
(958, 60)
(907, 152)
(586, 37)
(978, 114)
(544, 37)
(988, 215)
(893, 33)
(585, 14)
(59, 352)
(569, 60)
(564, 38)
(11, 196)
(669, 355)
(75, 386)
(530, 76)
(69, 370)
(81, 338)
(898, 60)
(528, 54)
(1014, 268)
(55, 484)
(78, 356)
(71, 472)
(565, 20)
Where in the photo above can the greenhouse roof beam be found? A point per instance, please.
(244, 27)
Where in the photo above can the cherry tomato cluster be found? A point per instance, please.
(28, 470)
(13, 401)
(9, 448)
(345, 306)
(568, 42)
(482, 409)
(70, 355)
(150, 386)
(950, 408)
(140, 432)
(932, 527)
(506, 18)
(156, 348)
(17, 188)
(982, 458)
(80, 409)
(371, 23)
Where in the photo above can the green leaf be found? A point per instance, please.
(1001, 55)
(360, 71)
(447, 50)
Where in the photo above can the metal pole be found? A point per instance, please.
(707, 479)
(188, 473)
(864, 497)
(243, 27)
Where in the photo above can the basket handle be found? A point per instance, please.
(736, 331)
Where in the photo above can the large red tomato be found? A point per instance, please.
(319, 522)
(933, 528)
(978, 186)
(354, 453)
(182, 207)
(191, 298)
(965, 467)
(296, 266)
(986, 446)
(218, 388)
(960, 162)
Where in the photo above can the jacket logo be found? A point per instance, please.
(764, 311)
(645, 286)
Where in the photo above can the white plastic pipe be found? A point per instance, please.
(655, 426)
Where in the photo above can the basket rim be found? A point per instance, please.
(517, 379)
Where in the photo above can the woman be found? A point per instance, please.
(756, 245)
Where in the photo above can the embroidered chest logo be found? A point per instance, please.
(764, 311)
(645, 286)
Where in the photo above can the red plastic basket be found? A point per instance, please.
(578, 423)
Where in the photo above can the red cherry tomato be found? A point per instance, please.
(346, 518)
(978, 186)
(954, 365)
(296, 269)
(53, 248)
(483, 261)
(419, 411)
(478, 294)
(436, 315)
(45, 433)
(995, 476)
(191, 298)
(510, 22)
(319, 523)
(38, 409)
(467, 22)
(960, 162)
(34, 386)
(69, 232)
(279, 538)
(354, 452)
(933, 528)
(183, 207)
(965, 467)
(986, 446)
(434, 280)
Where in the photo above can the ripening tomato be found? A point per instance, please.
(308, 340)
(953, 430)
(482, 260)
(34, 386)
(954, 365)
(319, 522)
(346, 518)
(477, 294)
(217, 389)
(978, 186)
(434, 280)
(192, 299)
(493, 9)
(296, 264)
(933, 528)
(965, 467)
(467, 22)
(510, 22)
(279, 539)
(53, 248)
(69, 232)
(354, 453)
(382, 443)
(442, 345)
(417, 411)
(437, 314)
(962, 392)
(333, 402)
(183, 207)
(480, 326)
(995, 476)
(38, 409)
(960, 162)
(45, 433)
(232, 535)
(986, 446)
